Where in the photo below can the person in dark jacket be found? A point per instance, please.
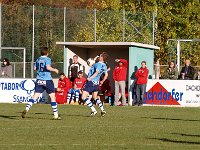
(6, 69)
(172, 72)
(141, 83)
(119, 76)
(187, 72)
(74, 68)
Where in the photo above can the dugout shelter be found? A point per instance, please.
(131, 51)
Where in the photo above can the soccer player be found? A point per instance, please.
(43, 82)
(92, 83)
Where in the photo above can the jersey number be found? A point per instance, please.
(40, 66)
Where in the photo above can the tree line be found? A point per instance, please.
(173, 20)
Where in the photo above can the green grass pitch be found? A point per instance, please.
(122, 128)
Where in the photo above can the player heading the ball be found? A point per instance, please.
(92, 83)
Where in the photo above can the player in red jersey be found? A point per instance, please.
(74, 93)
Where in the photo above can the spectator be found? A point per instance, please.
(6, 69)
(74, 68)
(197, 75)
(64, 85)
(187, 72)
(73, 95)
(141, 83)
(172, 72)
(80, 82)
(119, 76)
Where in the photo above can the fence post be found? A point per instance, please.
(0, 31)
(14, 69)
(64, 24)
(123, 34)
(33, 39)
(153, 36)
(95, 24)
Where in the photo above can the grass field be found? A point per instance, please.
(122, 128)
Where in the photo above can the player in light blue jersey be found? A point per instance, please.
(43, 82)
(93, 83)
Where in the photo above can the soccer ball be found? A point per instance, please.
(90, 62)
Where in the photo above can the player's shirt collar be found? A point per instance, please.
(43, 56)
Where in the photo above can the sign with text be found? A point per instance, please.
(18, 91)
(173, 92)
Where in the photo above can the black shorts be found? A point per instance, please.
(42, 85)
(90, 87)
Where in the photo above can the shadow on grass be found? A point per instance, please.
(175, 141)
(77, 115)
(37, 113)
(183, 134)
(176, 119)
(8, 117)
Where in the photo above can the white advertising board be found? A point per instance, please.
(184, 93)
(18, 91)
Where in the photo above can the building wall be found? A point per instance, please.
(134, 55)
(84, 54)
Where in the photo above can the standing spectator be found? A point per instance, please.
(119, 76)
(141, 83)
(187, 72)
(6, 69)
(64, 84)
(172, 72)
(197, 75)
(74, 68)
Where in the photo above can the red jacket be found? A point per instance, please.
(142, 75)
(80, 82)
(119, 73)
(64, 84)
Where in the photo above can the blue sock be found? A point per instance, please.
(77, 95)
(89, 103)
(30, 104)
(100, 104)
(54, 107)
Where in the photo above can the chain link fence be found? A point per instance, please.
(35, 26)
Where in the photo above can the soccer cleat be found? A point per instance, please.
(24, 113)
(103, 113)
(93, 113)
(57, 118)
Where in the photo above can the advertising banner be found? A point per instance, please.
(18, 91)
(173, 92)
